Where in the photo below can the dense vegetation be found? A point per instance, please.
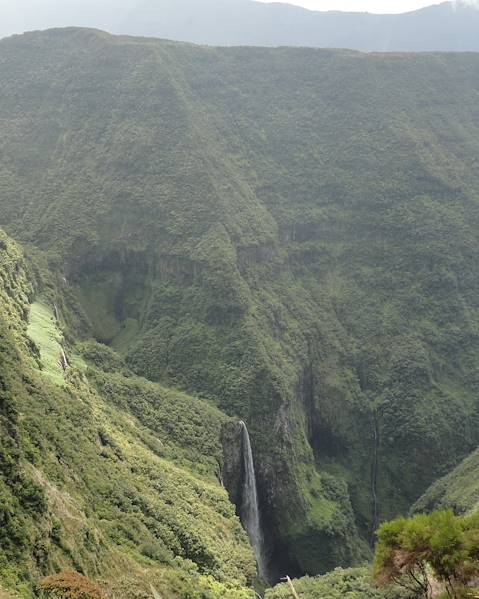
(285, 236)
(458, 490)
(438, 548)
(428, 555)
(114, 477)
(21, 500)
(353, 583)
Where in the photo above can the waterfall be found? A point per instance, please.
(250, 515)
(374, 479)
(63, 359)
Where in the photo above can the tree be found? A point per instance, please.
(439, 546)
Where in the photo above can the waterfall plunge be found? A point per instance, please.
(250, 515)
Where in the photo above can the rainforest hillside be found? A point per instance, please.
(283, 236)
(105, 473)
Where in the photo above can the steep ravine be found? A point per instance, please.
(101, 471)
(289, 235)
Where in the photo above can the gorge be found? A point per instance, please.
(286, 237)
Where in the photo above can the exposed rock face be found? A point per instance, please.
(232, 460)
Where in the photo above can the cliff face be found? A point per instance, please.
(289, 234)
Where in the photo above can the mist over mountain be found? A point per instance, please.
(451, 26)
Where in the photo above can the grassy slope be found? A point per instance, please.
(458, 490)
(291, 234)
(43, 331)
(86, 484)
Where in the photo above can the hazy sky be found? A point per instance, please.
(22, 15)
(379, 6)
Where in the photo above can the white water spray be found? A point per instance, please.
(250, 515)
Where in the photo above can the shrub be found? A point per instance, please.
(71, 585)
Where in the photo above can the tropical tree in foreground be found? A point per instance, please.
(414, 552)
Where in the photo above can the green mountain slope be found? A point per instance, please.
(458, 490)
(288, 234)
(85, 483)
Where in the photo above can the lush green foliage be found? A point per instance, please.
(354, 583)
(458, 490)
(89, 480)
(438, 546)
(22, 502)
(291, 235)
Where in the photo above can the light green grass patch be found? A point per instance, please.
(43, 330)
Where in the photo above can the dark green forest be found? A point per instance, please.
(288, 237)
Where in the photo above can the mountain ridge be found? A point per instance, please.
(443, 27)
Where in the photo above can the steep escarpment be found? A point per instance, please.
(290, 235)
(22, 501)
(106, 473)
